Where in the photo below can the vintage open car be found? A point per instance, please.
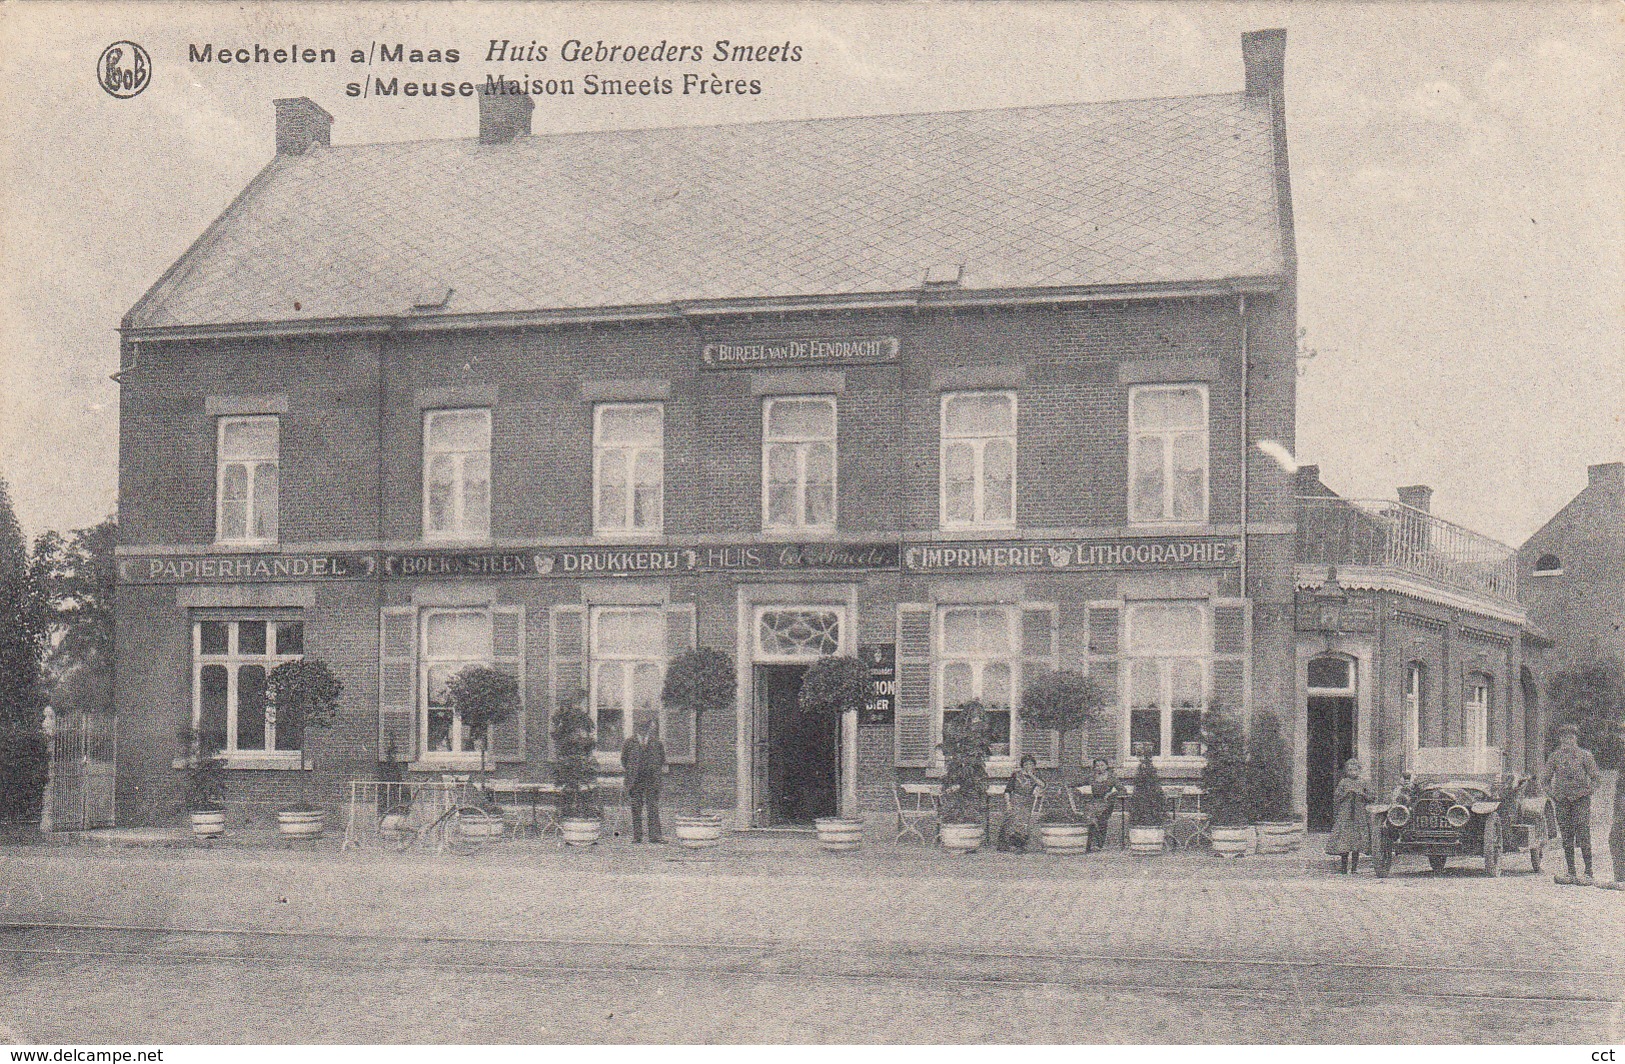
(1457, 802)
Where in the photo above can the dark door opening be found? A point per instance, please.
(801, 750)
(1331, 743)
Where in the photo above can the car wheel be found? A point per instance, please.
(1492, 847)
(1436, 861)
(1383, 859)
(1536, 852)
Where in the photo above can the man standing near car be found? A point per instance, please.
(643, 762)
(1571, 776)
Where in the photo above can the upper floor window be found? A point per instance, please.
(1168, 454)
(798, 463)
(457, 474)
(978, 478)
(1477, 723)
(1168, 648)
(246, 479)
(231, 660)
(1548, 565)
(628, 467)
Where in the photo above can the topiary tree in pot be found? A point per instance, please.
(966, 745)
(305, 695)
(483, 698)
(1063, 701)
(1269, 769)
(832, 687)
(205, 781)
(697, 682)
(575, 770)
(1147, 809)
(1226, 781)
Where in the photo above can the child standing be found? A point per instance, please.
(1351, 831)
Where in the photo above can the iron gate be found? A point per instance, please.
(84, 750)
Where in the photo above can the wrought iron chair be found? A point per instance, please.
(917, 811)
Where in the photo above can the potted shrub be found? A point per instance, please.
(833, 687)
(483, 697)
(1225, 779)
(965, 749)
(1147, 809)
(1269, 768)
(1063, 701)
(205, 781)
(581, 817)
(305, 696)
(698, 681)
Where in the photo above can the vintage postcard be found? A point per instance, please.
(670, 523)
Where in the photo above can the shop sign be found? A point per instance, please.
(881, 658)
(243, 568)
(800, 351)
(1081, 555)
(645, 561)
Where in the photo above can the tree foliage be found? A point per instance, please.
(1064, 700)
(305, 695)
(575, 769)
(483, 697)
(78, 576)
(24, 626)
(1224, 774)
(1269, 768)
(1148, 805)
(699, 681)
(834, 685)
(205, 776)
(966, 744)
(1591, 697)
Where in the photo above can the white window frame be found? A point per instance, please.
(596, 657)
(233, 659)
(426, 661)
(1168, 438)
(801, 445)
(979, 447)
(1164, 659)
(461, 529)
(1415, 691)
(252, 466)
(1477, 703)
(999, 764)
(633, 451)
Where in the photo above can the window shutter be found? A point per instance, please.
(1105, 626)
(913, 732)
(508, 654)
(1038, 655)
(568, 657)
(397, 683)
(679, 728)
(1230, 630)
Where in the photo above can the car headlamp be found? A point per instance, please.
(1457, 816)
(1399, 815)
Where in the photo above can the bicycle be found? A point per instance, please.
(461, 829)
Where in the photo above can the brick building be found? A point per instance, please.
(1573, 571)
(1411, 632)
(972, 395)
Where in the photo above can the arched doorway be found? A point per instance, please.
(1331, 734)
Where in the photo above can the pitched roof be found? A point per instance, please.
(1137, 192)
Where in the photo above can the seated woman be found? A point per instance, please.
(1017, 829)
(1104, 791)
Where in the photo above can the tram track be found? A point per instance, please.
(1295, 980)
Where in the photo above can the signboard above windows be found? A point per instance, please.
(799, 351)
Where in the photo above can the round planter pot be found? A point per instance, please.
(301, 823)
(1145, 840)
(838, 834)
(697, 832)
(960, 838)
(480, 825)
(208, 823)
(1279, 836)
(1064, 840)
(1232, 841)
(583, 832)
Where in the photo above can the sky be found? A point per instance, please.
(1456, 174)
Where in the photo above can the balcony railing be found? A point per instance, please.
(1383, 534)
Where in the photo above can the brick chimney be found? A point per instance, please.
(1610, 476)
(1263, 55)
(300, 123)
(1308, 482)
(504, 115)
(1417, 497)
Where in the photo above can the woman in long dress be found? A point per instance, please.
(1104, 790)
(1351, 829)
(1019, 793)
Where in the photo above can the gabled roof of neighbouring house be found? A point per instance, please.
(1145, 192)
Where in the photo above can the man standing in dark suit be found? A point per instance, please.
(643, 762)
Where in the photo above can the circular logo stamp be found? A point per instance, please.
(124, 69)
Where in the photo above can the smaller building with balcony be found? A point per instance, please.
(1410, 633)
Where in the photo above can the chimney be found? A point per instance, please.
(1610, 476)
(300, 123)
(1263, 55)
(504, 115)
(1417, 497)
(1308, 482)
